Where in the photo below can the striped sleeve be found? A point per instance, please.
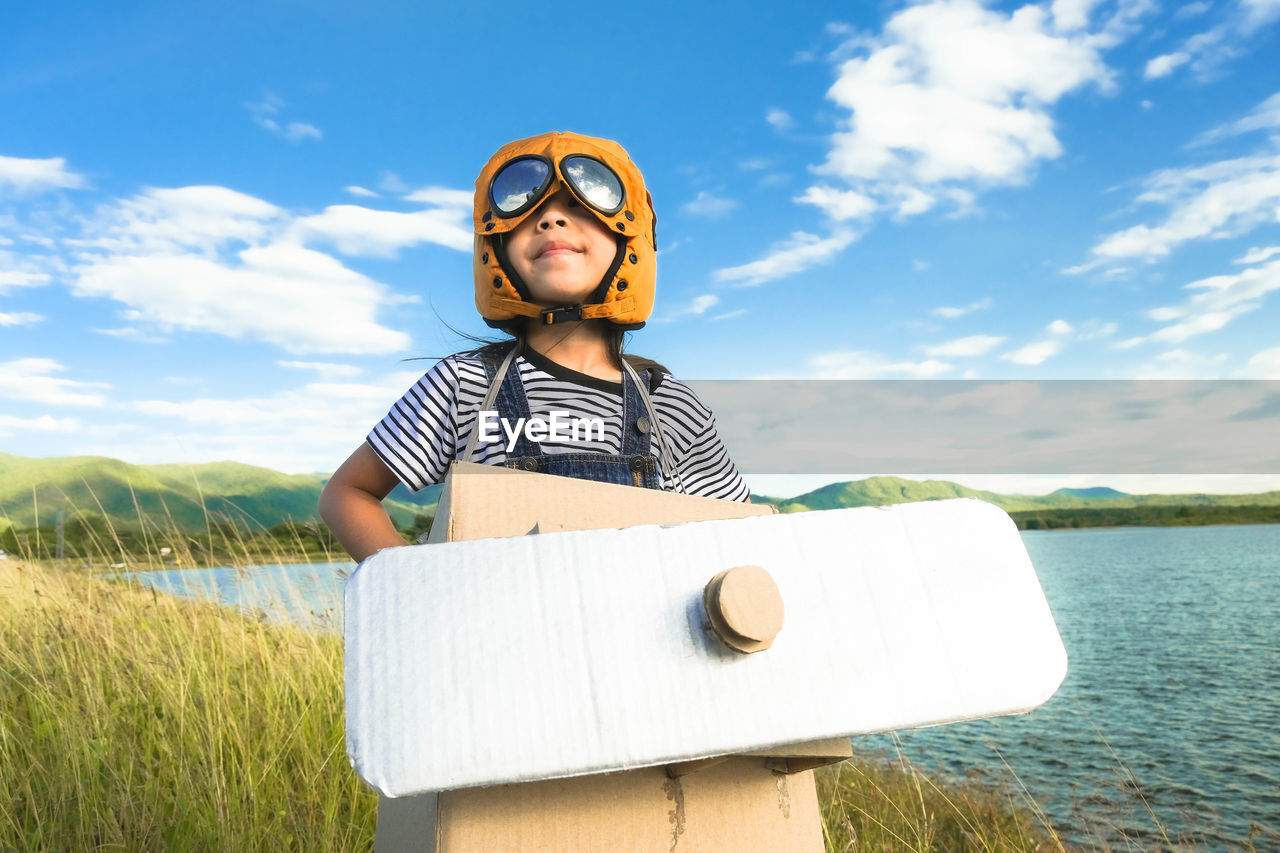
(702, 461)
(418, 437)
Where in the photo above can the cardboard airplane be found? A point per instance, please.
(614, 661)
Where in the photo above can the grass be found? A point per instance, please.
(135, 721)
(887, 804)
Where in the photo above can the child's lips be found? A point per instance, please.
(553, 249)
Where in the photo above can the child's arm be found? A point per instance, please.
(351, 504)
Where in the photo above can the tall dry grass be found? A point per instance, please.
(886, 805)
(131, 720)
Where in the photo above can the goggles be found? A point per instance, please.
(523, 182)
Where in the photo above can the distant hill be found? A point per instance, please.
(99, 486)
(875, 491)
(1094, 492)
(121, 492)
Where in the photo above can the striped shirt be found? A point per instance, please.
(430, 425)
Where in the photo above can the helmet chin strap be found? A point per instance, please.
(550, 314)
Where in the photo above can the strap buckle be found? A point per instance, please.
(560, 315)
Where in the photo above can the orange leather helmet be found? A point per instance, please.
(602, 176)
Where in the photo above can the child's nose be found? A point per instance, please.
(555, 212)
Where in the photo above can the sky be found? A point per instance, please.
(241, 231)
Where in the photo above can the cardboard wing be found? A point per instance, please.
(534, 657)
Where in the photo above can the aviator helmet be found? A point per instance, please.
(598, 172)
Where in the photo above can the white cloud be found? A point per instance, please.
(1071, 14)
(31, 379)
(1034, 353)
(858, 364)
(729, 315)
(34, 175)
(462, 200)
(973, 345)
(1263, 365)
(956, 92)
(799, 252)
(361, 192)
(919, 265)
(133, 333)
(296, 298)
(296, 131)
(700, 304)
(838, 204)
(1257, 255)
(263, 430)
(363, 231)
(265, 112)
(1061, 331)
(1260, 12)
(950, 312)
(1264, 116)
(200, 219)
(246, 270)
(20, 318)
(779, 119)
(1095, 329)
(1163, 66)
(390, 182)
(327, 370)
(18, 278)
(1222, 199)
(697, 306)
(1182, 364)
(1206, 52)
(1215, 302)
(10, 424)
(709, 205)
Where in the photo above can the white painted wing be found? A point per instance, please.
(503, 660)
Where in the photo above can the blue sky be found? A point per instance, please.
(223, 230)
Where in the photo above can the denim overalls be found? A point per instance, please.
(634, 466)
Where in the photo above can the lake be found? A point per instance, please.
(1167, 728)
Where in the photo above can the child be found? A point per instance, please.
(565, 261)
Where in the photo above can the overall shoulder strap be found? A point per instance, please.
(656, 371)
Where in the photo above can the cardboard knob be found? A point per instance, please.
(744, 607)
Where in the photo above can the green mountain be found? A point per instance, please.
(183, 495)
(96, 486)
(1092, 492)
(875, 491)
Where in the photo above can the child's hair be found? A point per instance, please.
(615, 341)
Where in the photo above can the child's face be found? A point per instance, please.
(561, 251)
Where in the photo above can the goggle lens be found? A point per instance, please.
(594, 181)
(519, 184)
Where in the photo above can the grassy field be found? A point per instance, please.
(135, 721)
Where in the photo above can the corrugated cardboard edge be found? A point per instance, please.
(499, 502)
